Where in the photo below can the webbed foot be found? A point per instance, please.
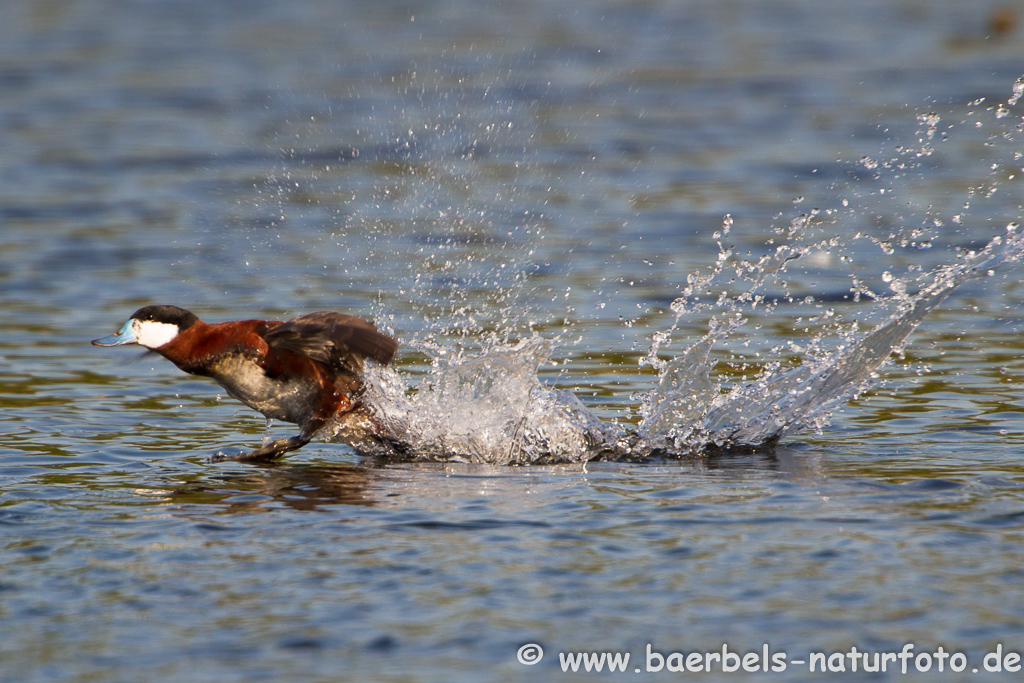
(272, 451)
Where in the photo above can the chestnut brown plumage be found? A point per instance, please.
(307, 370)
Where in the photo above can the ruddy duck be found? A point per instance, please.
(305, 370)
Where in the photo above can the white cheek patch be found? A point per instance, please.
(152, 334)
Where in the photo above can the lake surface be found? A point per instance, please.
(467, 175)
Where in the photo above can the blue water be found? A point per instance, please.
(468, 175)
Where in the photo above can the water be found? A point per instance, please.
(492, 408)
(519, 191)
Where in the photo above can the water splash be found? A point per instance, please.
(489, 405)
(687, 413)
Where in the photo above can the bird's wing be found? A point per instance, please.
(334, 339)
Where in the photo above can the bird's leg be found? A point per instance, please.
(275, 449)
(272, 451)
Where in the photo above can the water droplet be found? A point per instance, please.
(1018, 90)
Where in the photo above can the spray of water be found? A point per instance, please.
(687, 413)
(489, 405)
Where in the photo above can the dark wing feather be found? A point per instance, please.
(334, 339)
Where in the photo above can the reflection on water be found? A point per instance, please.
(266, 486)
(309, 487)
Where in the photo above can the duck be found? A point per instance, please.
(307, 370)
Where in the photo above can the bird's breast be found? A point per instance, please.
(291, 399)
